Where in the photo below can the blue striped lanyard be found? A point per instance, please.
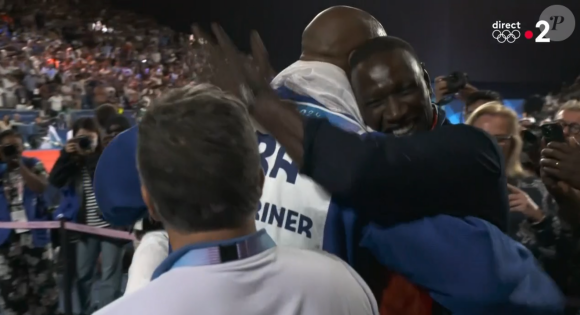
(248, 247)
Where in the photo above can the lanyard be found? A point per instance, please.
(245, 248)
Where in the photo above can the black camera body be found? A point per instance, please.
(9, 151)
(456, 81)
(84, 143)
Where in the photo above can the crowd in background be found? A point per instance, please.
(57, 56)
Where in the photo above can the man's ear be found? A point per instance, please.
(350, 57)
(427, 79)
(148, 203)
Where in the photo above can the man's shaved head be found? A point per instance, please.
(335, 32)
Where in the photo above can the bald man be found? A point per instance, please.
(319, 86)
(336, 32)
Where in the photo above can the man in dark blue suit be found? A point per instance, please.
(388, 187)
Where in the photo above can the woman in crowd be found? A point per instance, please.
(533, 219)
(27, 285)
(73, 173)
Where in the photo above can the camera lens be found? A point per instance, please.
(9, 150)
(84, 143)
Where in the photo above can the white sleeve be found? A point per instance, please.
(152, 250)
(372, 301)
(54, 134)
(69, 135)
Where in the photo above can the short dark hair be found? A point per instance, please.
(118, 120)
(534, 104)
(482, 95)
(86, 123)
(198, 157)
(105, 112)
(379, 44)
(9, 133)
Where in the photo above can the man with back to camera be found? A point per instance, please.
(393, 95)
(220, 262)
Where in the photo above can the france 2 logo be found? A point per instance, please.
(556, 24)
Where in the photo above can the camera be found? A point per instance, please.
(456, 81)
(9, 151)
(84, 143)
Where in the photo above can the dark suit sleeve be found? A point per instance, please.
(404, 177)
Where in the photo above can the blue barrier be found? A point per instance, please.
(26, 116)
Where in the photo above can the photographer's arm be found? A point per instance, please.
(35, 178)
(64, 169)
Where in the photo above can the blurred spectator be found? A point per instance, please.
(533, 107)
(569, 117)
(478, 98)
(5, 123)
(533, 219)
(73, 173)
(56, 105)
(104, 113)
(114, 126)
(24, 253)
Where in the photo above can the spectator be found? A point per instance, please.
(569, 117)
(559, 165)
(533, 219)
(215, 134)
(23, 252)
(73, 173)
(478, 98)
(55, 102)
(114, 126)
(5, 124)
(104, 113)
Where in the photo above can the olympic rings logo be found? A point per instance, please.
(505, 36)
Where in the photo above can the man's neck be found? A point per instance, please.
(179, 240)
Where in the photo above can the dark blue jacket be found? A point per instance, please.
(401, 189)
(34, 205)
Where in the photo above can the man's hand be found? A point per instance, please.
(465, 92)
(440, 88)
(521, 202)
(561, 162)
(232, 71)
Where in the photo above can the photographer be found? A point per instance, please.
(73, 174)
(24, 253)
(456, 83)
(559, 164)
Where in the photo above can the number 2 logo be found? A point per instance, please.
(545, 28)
